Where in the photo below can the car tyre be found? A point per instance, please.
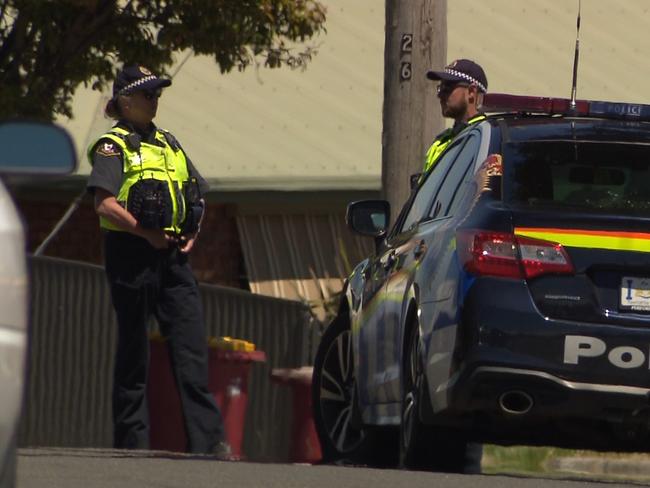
(424, 447)
(342, 436)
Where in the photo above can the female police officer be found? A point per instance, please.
(147, 196)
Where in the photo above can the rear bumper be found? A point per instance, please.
(504, 405)
(511, 371)
(484, 389)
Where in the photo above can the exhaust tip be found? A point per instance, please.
(515, 402)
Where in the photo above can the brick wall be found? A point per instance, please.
(216, 258)
(79, 239)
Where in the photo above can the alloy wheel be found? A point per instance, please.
(337, 390)
(412, 382)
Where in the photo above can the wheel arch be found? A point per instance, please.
(412, 319)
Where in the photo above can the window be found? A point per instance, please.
(427, 191)
(597, 177)
(453, 181)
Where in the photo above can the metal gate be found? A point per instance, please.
(72, 340)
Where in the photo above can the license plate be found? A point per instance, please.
(635, 293)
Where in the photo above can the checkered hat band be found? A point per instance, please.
(136, 84)
(466, 77)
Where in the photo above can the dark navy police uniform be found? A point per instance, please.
(145, 281)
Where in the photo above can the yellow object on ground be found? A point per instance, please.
(222, 343)
(230, 344)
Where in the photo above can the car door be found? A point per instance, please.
(424, 231)
(367, 323)
(375, 340)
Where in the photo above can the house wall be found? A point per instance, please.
(223, 254)
(216, 259)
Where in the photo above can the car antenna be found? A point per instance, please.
(572, 105)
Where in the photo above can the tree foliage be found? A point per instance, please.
(50, 47)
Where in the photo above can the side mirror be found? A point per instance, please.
(368, 217)
(36, 148)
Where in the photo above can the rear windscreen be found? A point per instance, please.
(602, 177)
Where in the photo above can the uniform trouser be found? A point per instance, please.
(146, 282)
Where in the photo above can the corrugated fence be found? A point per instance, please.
(68, 396)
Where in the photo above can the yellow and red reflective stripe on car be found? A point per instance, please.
(594, 239)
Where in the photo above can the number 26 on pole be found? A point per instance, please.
(406, 47)
(405, 71)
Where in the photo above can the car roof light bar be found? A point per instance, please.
(502, 103)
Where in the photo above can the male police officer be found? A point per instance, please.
(462, 86)
(148, 198)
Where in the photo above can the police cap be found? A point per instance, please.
(462, 70)
(135, 78)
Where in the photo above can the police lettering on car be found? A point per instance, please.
(625, 357)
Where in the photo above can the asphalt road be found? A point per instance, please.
(90, 468)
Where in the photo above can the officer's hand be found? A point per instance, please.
(158, 239)
(186, 243)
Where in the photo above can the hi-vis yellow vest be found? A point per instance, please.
(164, 163)
(442, 142)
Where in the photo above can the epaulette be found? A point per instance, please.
(132, 140)
(445, 134)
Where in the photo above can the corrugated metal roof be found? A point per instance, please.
(321, 128)
(282, 129)
(526, 47)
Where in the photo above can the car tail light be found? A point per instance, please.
(543, 257)
(487, 253)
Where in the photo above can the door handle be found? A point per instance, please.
(419, 249)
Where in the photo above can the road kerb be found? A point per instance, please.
(634, 465)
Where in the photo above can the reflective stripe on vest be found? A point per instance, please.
(162, 163)
(442, 142)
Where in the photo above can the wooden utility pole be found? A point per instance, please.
(416, 41)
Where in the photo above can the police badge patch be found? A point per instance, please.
(107, 149)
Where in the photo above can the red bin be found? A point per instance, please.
(228, 382)
(305, 446)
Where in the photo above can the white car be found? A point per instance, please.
(33, 149)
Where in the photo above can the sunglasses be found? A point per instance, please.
(449, 87)
(152, 94)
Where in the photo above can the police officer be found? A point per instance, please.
(148, 198)
(462, 86)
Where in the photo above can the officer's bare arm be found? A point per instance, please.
(106, 206)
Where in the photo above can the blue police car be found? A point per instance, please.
(510, 301)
